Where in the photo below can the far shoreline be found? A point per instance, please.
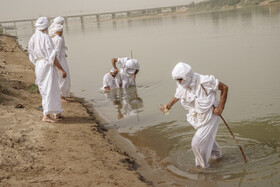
(186, 10)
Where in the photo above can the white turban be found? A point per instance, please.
(59, 20)
(135, 62)
(54, 28)
(130, 66)
(183, 71)
(42, 23)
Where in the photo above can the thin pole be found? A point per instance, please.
(245, 159)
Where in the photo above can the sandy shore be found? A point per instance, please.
(72, 152)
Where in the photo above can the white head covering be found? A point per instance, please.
(113, 71)
(135, 61)
(55, 28)
(184, 71)
(130, 66)
(59, 20)
(42, 23)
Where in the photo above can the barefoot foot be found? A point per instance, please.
(48, 119)
(58, 117)
(64, 100)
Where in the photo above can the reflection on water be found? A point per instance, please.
(126, 101)
(260, 139)
(240, 47)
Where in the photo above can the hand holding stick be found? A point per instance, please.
(218, 111)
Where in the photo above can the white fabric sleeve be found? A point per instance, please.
(31, 58)
(180, 91)
(210, 83)
(50, 50)
(119, 80)
(63, 41)
(105, 81)
(58, 45)
(30, 50)
(137, 66)
(121, 61)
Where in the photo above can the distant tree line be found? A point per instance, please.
(217, 4)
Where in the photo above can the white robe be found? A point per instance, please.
(64, 83)
(201, 117)
(42, 55)
(111, 82)
(127, 77)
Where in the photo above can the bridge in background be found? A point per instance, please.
(112, 15)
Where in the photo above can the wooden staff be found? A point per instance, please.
(245, 159)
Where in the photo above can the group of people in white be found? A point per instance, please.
(196, 92)
(47, 53)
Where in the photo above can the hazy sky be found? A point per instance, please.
(22, 9)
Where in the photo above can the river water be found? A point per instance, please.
(239, 47)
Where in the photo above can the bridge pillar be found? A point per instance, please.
(159, 11)
(32, 25)
(97, 18)
(66, 21)
(66, 24)
(128, 14)
(113, 16)
(82, 23)
(144, 12)
(173, 9)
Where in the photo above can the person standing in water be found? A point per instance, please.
(197, 94)
(112, 80)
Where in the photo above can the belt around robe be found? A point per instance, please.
(39, 59)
